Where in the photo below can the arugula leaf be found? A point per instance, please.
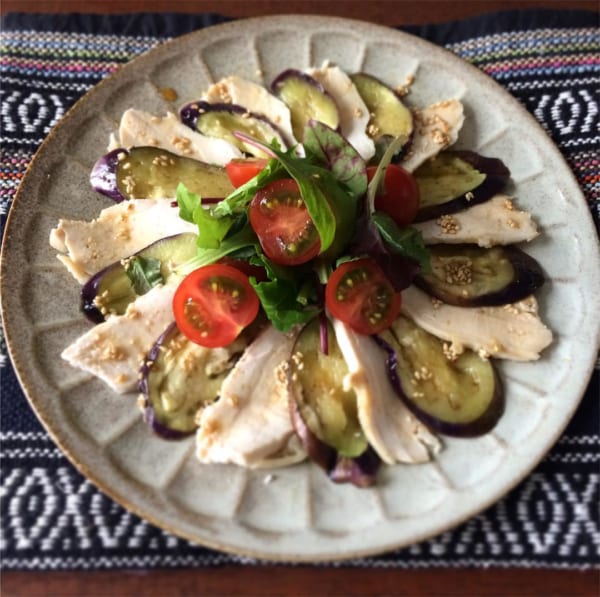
(286, 297)
(399, 269)
(211, 229)
(239, 198)
(243, 239)
(187, 202)
(144, 273)
(278, 299)
(404, 241)
(327, 146)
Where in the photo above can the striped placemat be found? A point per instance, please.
(53, 518)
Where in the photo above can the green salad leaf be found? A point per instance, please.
(211, 229)
(239, 199)
(244, 238)
(324, 145)
(144, 273)
(406, 241)
(286, 298)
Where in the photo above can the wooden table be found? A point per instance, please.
(288, 580)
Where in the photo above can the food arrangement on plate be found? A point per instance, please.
(305, 271)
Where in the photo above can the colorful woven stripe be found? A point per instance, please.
(555, 73)
(53, 518)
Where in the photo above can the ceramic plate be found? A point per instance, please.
(298, 515)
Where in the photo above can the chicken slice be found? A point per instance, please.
(250, 423)
(256, 99)
(118, 232)
(114, 350)
(512, 331)
(139, 128)
(391, 429)
(436, 128)
(354, 114)
(494, 222)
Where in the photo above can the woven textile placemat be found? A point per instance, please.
(53, 518)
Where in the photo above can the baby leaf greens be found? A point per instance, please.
(333, 186)
(324, 145)
(144, 273)
(285, 300)
(211, 229)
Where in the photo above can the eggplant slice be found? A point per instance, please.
(389, 117)
(178, 377)
(307, 100)
(456, 180)
(153, 173)
(223, 120)
(324, 410)
(456, 395)
(471, 276)
(112, 289)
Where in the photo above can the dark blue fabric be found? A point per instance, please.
(565, 471)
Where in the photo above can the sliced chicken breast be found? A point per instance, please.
(118, 232)
(250, 424)
(513, 331)
(495, 222)
(391, 429)
(256, 99)
(354, 114)
(140, 128)
(115, 349)
(436, 127)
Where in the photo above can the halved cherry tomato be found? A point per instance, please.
(359, 294)
(241, 171)
(213, 304)
(400, 199)
(281, 221)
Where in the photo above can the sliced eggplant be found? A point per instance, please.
(471, 276)
(307, 100)
(112, 289)
(152, 173)
(390, 118)
(460, 396)
(178, 377)
(222, 120)
(456, 180)
(324, 410)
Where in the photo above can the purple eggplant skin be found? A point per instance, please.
(360, 471)
(318, 451)
(190, 114)
(527, 278)
(150, 418)
(282, 77)
(497, 176)
(480, 426)
(89, 292)
(298, 74)
(103, 177)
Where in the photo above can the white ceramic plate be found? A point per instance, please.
(299, 515)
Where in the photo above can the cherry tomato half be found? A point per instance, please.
(359, 294)
(400, 199)
(281, 221)
(213, 304)
(241, 171)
